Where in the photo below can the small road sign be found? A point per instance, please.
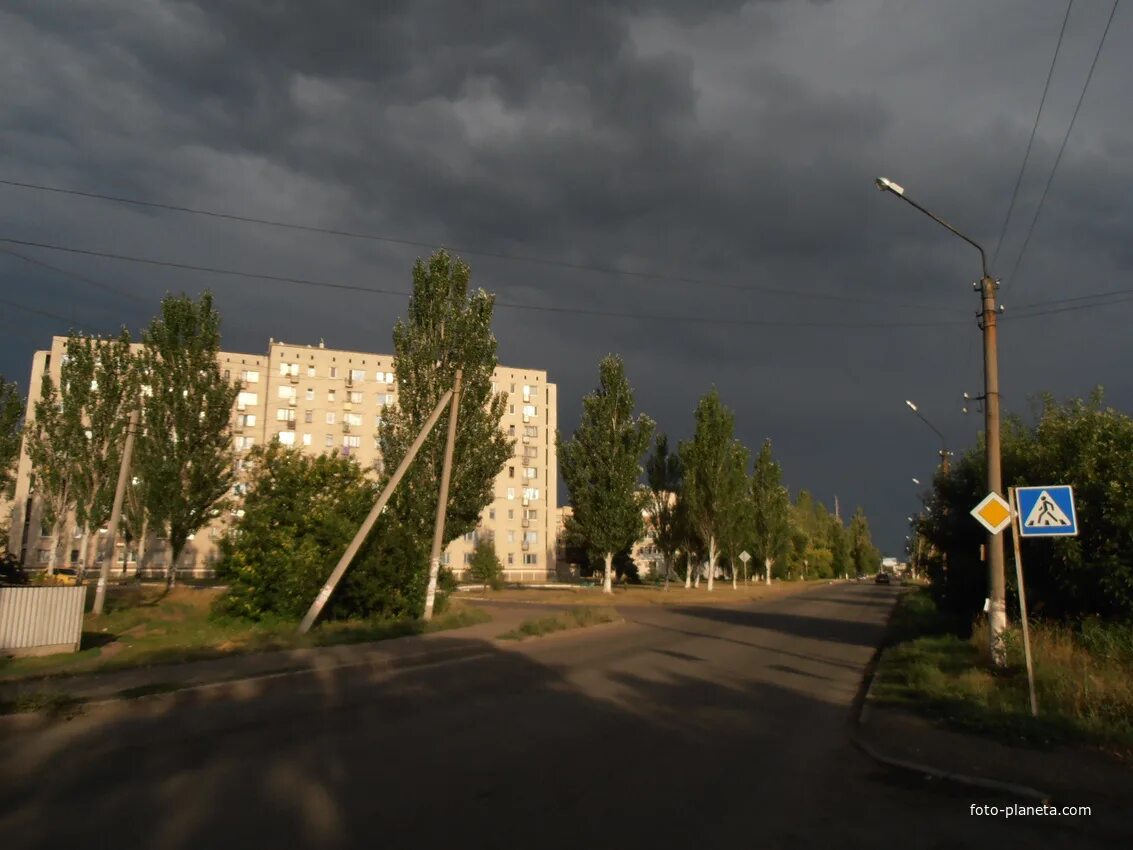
(1047, 511)
(744, 556)
(993, 513)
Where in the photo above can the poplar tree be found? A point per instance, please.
(770, 504)
(184, 451)
(663, 474)
(11, 420)
(601, 466)
(448, 327)
(711, 485)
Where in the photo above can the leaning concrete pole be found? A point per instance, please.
(442, 503)
(356, 544)
(115, 514)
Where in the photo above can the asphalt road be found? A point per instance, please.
(694, 727)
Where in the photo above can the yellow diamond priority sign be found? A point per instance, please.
(993, 513)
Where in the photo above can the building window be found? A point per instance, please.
(511, 408)
(531, 513)
(334, 371)
(356, 397)
(330, 417)
(467, 558)
(286, 391)
(330, 441)
(531, 430)
(511, 472)
(511, 513)
(377, 422)
(249, 376)
(287, 438)
(43, 556)
(511, 430)
(306, 439)
(352, 441)
(513, 387)
(510, 558)
(530, 472)
(352, 419)
(470, 537)
(510, 536)
(227, 375)
(243, 443)
(310, 393)
(330, 395)
(247, 399)
(310, 370)
(529, 410)
(530, 558)
(389, 376)
(491, 513)
(308, 416)
(531, 537)
(510, 494)
(284, 414)
(357, 374)
(246, 420)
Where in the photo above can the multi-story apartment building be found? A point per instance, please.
(320, 399)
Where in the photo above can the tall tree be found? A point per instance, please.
(737, 516)
(770, 507)
(663, 474)
(601, 465)
(100, 376)
(448, 327)
(865, 557)
(11, 422)
(711, 485)
(184, 450)
(841, 561)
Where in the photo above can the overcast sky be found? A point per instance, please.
(722, 152)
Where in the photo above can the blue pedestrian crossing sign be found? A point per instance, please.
(1046, 511)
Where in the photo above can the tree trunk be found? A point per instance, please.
(607, 579)
(688, 570)
(713, 554)
(668, 569)
(734, 576)
(767, 569)
(140, 558)
(53, 561)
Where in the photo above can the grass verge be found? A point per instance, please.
(146, 627)
(51, 704)
(575, 618)
(1083, 679)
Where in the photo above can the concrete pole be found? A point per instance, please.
(356, 544)
(997, 607)
(442, 503)
(115, 514)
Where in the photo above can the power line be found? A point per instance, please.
(504, 304)
(95, 283)
(350, 234)
(45, 313)
(1062, 147)
(1031, 140)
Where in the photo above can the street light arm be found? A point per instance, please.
(886, 187)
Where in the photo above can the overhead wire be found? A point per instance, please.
(1061, 148)
(351, 234)
(1031, 140)
(500, 303)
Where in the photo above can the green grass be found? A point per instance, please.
(1083, 679)
(575, 618)
(144, 627)
(52, 704)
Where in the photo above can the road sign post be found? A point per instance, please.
(745, 556)
(1017, 520)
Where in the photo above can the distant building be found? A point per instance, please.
(320, 399)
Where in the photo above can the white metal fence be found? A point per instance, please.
(41, 620)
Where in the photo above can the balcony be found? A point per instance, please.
(524, 545)
(525, 522)
(292, 402)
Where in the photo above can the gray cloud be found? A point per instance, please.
(725, 141)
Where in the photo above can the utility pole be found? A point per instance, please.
(367, 524)
(442, 502)
(997, 591)
(115, 514)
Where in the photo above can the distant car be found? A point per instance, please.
(882, 578)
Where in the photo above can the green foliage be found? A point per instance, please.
(863, 554)
(300, 512)
(184, 450)
(486, 567)
(737, 518)
(664, 474)
(770, 506)
(11, 426)
(447, 328)
(601, 463)
(711, 485)
(1081, 443)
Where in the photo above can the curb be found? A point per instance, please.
(22, 721)
(856, 739)
(509, 643)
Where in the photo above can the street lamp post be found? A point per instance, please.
(943, 443)
(997, 609)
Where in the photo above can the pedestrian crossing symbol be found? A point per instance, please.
(1046, 511)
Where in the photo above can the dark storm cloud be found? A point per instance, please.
(729, 141)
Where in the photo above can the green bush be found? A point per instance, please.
(486, 567)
